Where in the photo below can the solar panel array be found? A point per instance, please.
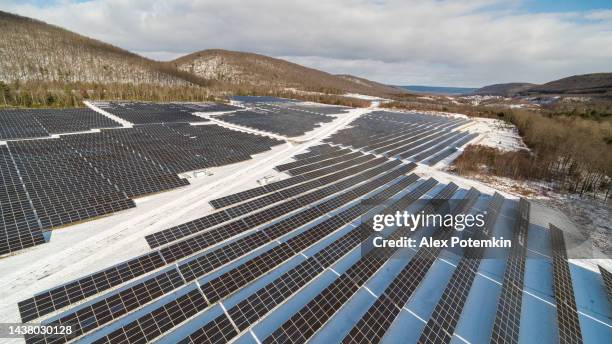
(607, 279)
(441, 325)
(310, 318)
(567, 314)
(182, 147)
(417, 137)
(32, 123)
(508, 317)
(213, 290)
(278, 229)
(19, 225)
(148, 113)
(284, 117)
(253, 267)
(265, 215)
(376, 321)
(53, 182)
(286, 122)
(62, 187)
(121, 166)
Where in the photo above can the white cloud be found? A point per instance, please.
(461, 43)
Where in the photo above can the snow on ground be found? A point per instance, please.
(477, 99)
(497, 134)
(364, 97)
(296, 91)
(590, 216)
(426, 98)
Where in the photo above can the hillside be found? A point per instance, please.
(504, 90)
(248, 69)
(586, 84)
(33, 50)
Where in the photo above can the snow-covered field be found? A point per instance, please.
(498, 134)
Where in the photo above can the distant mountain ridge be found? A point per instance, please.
(504, 90)
(439, 89)
(31, 50)
(596, 84)
(585, 84)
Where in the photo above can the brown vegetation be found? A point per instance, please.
(436, 105)
(571, 152)
(60, 94)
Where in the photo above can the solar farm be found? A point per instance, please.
(136, 222)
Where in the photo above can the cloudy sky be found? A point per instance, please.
(401, 42)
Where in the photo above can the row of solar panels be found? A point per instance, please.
(53, 182)
(31, 123)
(283, 117)
(416, 137)
(149, 113)
(217, 280)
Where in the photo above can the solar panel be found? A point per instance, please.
(507, 322)
(379, 317)
(19, 225)
(266, 298)
(221, 327)
(393, 133)
(32, 123)
(20, 124)
(129, 171)
(423, 144)
(85, 287)
(607, 279)
(436, 146)
(441, 325)
(92, 316)
(155, 323)
(281, 184)
(61, 185)
(181, 147)
(330, 162)
(149, 113)
(313, 159)
(313, 151)
(239, 276)
(449, 151)
(409, 135)
(567, 314)
(282, 121)
(313, 316)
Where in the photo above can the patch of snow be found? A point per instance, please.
(498, 134)
(363, 96)
(477, 99)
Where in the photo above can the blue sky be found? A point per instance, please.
(448, 43)
(535, 6)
